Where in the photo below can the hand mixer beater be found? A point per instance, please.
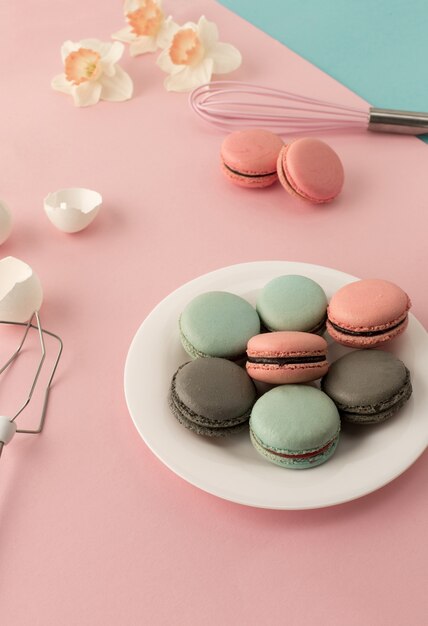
(8, 425)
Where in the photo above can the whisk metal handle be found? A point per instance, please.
(402, 122)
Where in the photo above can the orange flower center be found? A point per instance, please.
(82, 65)
(186, 48)
(147, 20)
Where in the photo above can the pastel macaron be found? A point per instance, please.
(293, 302)
(285, 357)
(295, 426)
(212, 397)
(367, 313)
(248, 157)
(311, 170)
(368, 386)
(218, 324)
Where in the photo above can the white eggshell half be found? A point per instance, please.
(7, 430)
(5, 221)
(73, 209)
(20, 290)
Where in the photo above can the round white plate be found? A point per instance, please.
(366, 458)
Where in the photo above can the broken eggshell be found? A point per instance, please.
(5, 221)
(20, 290)
(72, 209)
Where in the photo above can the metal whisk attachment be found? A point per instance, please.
(233, 105)
(8, 425)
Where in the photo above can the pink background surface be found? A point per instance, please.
(93, 528)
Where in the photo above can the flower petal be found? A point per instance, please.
(141, 45)
(226, 58)
(116, 88)
(60, 83)
(114, 54)
(67, 47)
(207, 33)
(166, 33)
(165, 63)
(101, 47)
(190, 77)
(87, 93)
(129, 6)
(108, 62)
(125, 34)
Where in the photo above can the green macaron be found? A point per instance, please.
(218, 324)
(295, 426)
(293, 302)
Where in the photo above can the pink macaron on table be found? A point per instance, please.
(310, 169)
(249, 157)
(95, 528)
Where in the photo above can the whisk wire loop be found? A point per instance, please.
(217, 103)
(232, 105)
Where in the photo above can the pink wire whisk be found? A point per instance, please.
(233, 105)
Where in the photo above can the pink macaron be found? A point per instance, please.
(248, 157)
(286, 357)
(367, 313)
(309, 169)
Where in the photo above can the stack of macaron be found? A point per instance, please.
(293, 424)
(307, 167)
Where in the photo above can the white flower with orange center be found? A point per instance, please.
(91, 72)
(147, 28)
(194, 54)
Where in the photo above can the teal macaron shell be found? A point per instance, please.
(292, 302)
(295, 420)
(218, 324)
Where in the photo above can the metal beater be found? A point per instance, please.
(8, 425)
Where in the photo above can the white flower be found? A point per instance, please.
(148, 29)
(91, 72)
(194, 54)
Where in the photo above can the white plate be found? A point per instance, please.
(366, 458)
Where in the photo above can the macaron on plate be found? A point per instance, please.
(367, 313)
(365, 457)
(285, 357)
(295, 426)
(212, 397)
(368, 386)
